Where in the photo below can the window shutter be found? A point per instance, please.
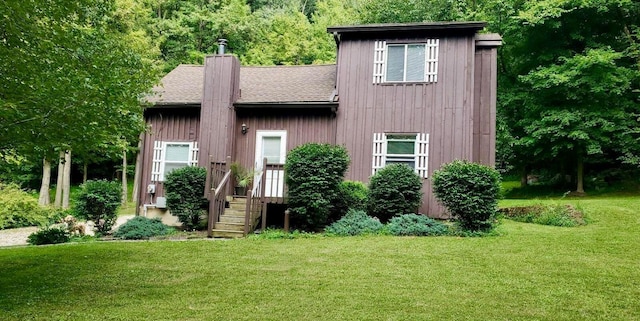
(156, 168)
(422, 155)
(431, 60)
(193, 160)
(379, 149)
(378, 61)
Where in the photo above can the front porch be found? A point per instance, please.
(233, 216)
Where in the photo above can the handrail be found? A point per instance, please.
(257, 183)
(217, 201)
(222, 184)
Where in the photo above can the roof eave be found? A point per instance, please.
(168, 104)
(287, 104)
(391, 27)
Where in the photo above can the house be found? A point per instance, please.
(422, 94)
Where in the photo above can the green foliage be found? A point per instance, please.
(548, 214)
(276, 234)
(553, 89)
(470, 193)
(19, 209)
(74, 63)
(242, 175)
(98, 201)
(313, 173)
(140, 227)
(185, 194)
(351, 195)
(394, 190)
(355, 222)
(49, 235)
(416, 225)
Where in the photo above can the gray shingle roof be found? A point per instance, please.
(309, 83)
(183, 85)
(287, 84)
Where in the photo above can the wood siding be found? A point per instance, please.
(444, 110)
(221, 89)
(484, 114)
(302, 126)
(181, 124)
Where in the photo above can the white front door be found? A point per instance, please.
(272, 145)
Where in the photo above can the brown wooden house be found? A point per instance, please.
(423, 94)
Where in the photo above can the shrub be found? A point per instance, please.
(19, 209)
(351, 195)
(184, 189)
(98, 201)
(553, 214)
(470, 193)
(355, 222)
(313, 173)
(394, 190)
(415, 225)
(49, 235)
(140, 227)
(276, 234)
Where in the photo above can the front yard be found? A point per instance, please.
(529, 272)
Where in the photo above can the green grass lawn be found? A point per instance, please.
(528, 272)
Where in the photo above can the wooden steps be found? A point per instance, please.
(231, 224)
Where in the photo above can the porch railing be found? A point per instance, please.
(255, 203)
(217, 187)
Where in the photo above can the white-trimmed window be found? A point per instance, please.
(401, 148)
(168, 156)
(410, 62)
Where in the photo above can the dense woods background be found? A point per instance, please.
(73, 72)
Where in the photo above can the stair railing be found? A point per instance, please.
(217, 186)
(255, 201)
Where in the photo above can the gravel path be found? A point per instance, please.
(18, 236)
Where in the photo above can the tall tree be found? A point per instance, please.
(575, 75)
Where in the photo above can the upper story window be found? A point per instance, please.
(411, 62)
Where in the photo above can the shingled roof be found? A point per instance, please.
(287, 84)
(181, 86)
(258, 85)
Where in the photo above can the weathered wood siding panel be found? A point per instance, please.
(181, 124)
(444, 109)
(221, 88)
(484, 115)
(301, 126)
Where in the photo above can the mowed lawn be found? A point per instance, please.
(529, 272)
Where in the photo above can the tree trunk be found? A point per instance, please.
(580, 187)
(85, 172)
(136, 176)
(58, 200)
(46, 182)
(523, 177)
(125, 193)
(66, 180)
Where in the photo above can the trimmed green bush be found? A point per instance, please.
(140, 228)
(355, 222)
(98, 201)
(184, 189)
(49, 235)
(352, 195)
(394, 190)
(313, 173)
(19, 209)
(415, 225)
(470, 193)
